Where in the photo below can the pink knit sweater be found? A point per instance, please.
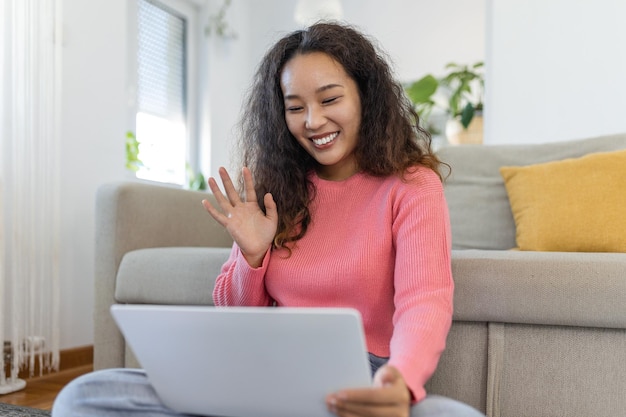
(380, 245)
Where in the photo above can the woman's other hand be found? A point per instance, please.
(250, 228)
(389, 397)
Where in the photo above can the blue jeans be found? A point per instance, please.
(127, 393)
(376, 362)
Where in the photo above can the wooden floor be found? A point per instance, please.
(40, 392)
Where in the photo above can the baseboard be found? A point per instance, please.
(68, 359)
(75, 357)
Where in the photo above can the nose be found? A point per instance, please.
(314, 119)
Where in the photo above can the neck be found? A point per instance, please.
(332, 173)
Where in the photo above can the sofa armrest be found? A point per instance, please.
(546, 288)
(130, 216)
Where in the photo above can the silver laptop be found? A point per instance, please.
(246, 361)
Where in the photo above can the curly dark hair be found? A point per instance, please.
(390, 138)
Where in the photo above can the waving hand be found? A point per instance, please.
(250, 228)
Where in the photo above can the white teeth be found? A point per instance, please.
(326, 139)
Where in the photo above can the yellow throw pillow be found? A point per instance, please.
(571, 205)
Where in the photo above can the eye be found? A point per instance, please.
(294, 109)
(329, 100)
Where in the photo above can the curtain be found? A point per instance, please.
(30, 52)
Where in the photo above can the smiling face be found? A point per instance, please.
(323, 112)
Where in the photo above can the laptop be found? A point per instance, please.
(246, 361)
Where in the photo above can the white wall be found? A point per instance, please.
(420, 36)
(229, 70)
(92, 147)
(555, 70)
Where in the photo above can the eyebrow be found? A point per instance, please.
(318, 90)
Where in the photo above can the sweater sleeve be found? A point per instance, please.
(423, 286)
(238, 284)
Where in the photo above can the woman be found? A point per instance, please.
(342, 205)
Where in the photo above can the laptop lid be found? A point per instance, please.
(246, 361)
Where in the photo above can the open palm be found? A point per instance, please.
(250, 228)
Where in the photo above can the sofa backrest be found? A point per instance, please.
(480, 213)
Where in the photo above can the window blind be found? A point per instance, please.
(161, 66)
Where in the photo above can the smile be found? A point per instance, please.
(324, 140)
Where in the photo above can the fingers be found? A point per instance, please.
(223, 203)
(388, 397)
(270, 207)
(217, 215)
(370, 404)
(229, 187)
(372, 396)
(362, 410)
(387, 375)
(219, 196)
(248, 185)
(226, 202)
(231, 202)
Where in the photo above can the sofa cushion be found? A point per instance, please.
(480, 213)
(544, 288)
(573, 205)
(169, 275)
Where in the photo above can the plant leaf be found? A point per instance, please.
(422, 90)
(467, 115)
(133, 162)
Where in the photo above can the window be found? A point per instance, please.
(164, 108)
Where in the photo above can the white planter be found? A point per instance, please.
(473, 135)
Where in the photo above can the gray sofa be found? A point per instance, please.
(534, 333)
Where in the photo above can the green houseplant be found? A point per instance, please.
(195, 180)
(133, 162)
(461, 85)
